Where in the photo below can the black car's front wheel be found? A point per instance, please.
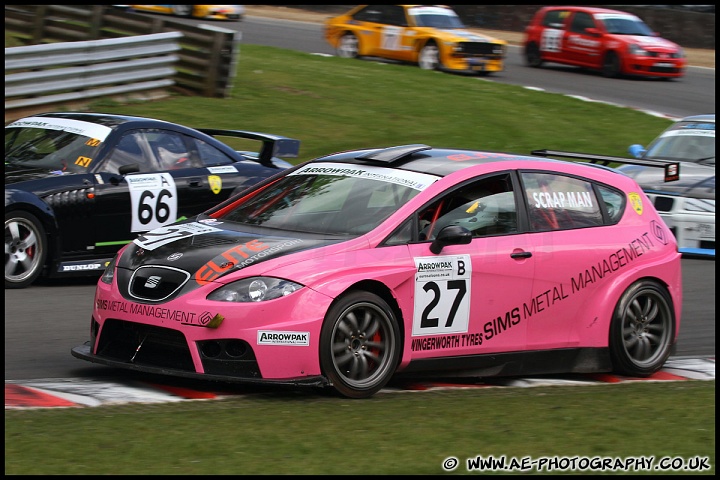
(359, 344)
(25, 249)
(642, 329)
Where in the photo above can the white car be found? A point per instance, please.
(686, 206)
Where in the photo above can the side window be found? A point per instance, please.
(559, 202)
(555, 18)
(209, 155)
(485, 207)
(394, 15)
(371, 13)
(614, 203)
(129, 150)
(170, 149)
(580, 22)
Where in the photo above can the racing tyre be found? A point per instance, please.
(532, 56)
(25, 249)
(611, 65)
(182, 10)
(429, 58)
(359, 344)
(642, 330)
(348, 47)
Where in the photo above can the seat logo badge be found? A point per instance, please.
(153, 282)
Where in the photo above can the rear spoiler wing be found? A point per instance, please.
(272, 145)
(672, 169)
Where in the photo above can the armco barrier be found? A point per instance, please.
(206, 59)
(70, 72)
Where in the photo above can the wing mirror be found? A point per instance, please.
(636, 150)
(450, 235)
(131, 168)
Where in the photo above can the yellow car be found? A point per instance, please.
(211, 12)
(433, 37)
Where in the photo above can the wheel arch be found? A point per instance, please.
(595, 330)
(617, 54)
(421, 43)
(675, 309)
(384, 292)
(345, 31)
(532, 46)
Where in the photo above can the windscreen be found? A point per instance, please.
(687, 142)
(56, 144)
(624, 25)
(333, 199)
(435, 17)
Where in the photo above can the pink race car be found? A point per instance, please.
(351, 268)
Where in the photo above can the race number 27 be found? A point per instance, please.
(442, 295)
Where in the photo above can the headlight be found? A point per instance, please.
(637, 50)
(255, 289)
(109, 273)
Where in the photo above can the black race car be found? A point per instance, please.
(78, 186)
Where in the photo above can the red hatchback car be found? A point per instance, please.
(613, 42)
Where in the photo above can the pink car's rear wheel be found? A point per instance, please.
(642, 330)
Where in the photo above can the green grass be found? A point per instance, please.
(392, 433)
(334, 104)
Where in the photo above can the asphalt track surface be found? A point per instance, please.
(690, 95)
(42, 323)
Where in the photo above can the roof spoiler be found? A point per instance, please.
(672, 169)
(393, 154)
(272, 145)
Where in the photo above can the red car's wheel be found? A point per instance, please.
(611, 65)
(533, 57)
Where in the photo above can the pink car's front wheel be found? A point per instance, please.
(359, 344)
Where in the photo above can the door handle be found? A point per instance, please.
(195, 182)
(521, 255)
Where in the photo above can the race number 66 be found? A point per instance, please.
(154, 200)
